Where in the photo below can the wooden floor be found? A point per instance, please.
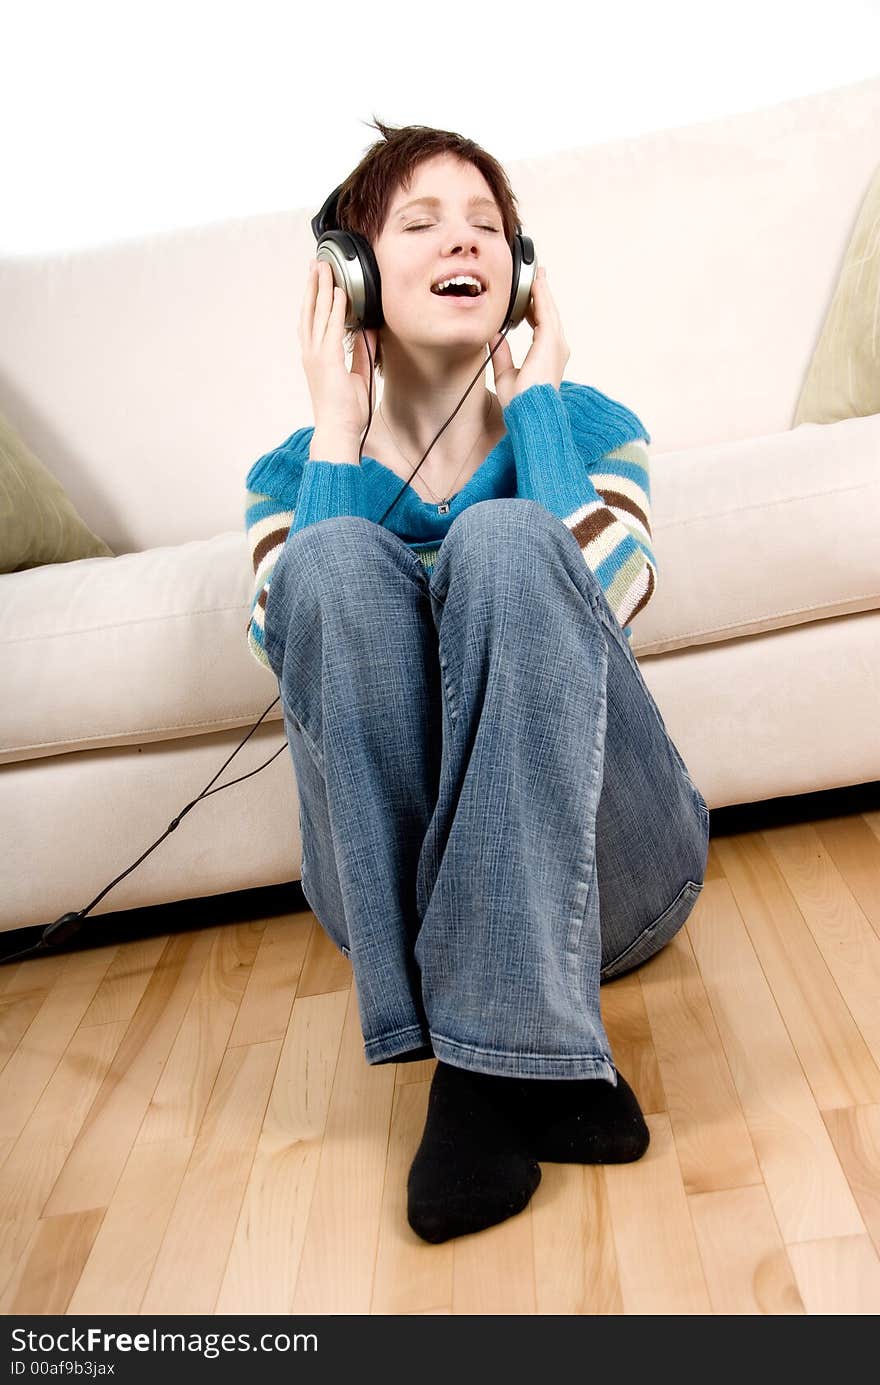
(189, 1124)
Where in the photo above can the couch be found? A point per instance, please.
(693, 268)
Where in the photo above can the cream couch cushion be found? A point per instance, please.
(762, 534)
(146, 647)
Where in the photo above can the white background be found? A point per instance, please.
(125, 118)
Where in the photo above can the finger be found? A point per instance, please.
(502, 360)
(324, 301)
(307, 310)
(544, 297)
(315, 319)
(320, 302)
(503, 356)
(360, 364)
(335, 328)
(539, 312)
(330, 300)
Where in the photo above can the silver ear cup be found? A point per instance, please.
(347, 275)
(523, 294)
(525, 271)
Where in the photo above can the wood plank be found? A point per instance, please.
(94, 1165)
(747, 1269)
(657, 1256)
(856, 1137)
(338, 1257)
(37, 973)
(493, 1271)
(836, 1060)
(267, 1247)
(855, 851)
(125, 980)
(189, 1268)
(43, 1044)
(33, 1165)
(625, 1019)
(264, 1012)
(839, 1276)
(421, 1071)
(412, 1276)
(116, 1273)
(52, 1261)
(844, 936)
(711, 1137)
(181, 1096)
(807, 1189)
(575, 1256)
(24, 987)
(325, 967)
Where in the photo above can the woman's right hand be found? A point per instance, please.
(340, 398)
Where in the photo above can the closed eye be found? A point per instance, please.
(426, 226)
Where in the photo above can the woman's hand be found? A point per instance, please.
(547, 356)
(340, 398)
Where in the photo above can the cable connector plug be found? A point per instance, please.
(58, 932)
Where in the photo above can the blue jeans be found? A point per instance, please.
(494, 818)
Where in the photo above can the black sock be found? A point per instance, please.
(471, 1169)
(585, 1121)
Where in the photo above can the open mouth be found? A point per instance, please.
(465, 290)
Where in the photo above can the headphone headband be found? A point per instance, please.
(326, 219)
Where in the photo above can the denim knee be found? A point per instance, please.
(490, 533)
(658, 935)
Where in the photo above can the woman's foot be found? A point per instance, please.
(476, 1164)
(585, 1121)
(471, 1169)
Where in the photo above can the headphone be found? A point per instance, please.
(356, 272)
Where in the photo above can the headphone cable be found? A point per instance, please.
(63, 929)
(437, 434)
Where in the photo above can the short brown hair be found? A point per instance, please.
(389, 163)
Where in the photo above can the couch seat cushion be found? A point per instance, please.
(763, 533)
(140, 647)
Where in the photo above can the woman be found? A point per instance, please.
(494, 818)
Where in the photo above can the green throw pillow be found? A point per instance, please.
(38, 524)
(843, 380)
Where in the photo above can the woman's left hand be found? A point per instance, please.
(547, 356)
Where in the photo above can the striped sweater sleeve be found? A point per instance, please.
(268, 524)
(286, 492)
(584, 457)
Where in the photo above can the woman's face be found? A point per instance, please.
(424, 242)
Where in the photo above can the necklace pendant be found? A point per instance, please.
(443, 507)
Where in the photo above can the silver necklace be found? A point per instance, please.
(443, 506)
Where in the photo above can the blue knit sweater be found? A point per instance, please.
(577, 452)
